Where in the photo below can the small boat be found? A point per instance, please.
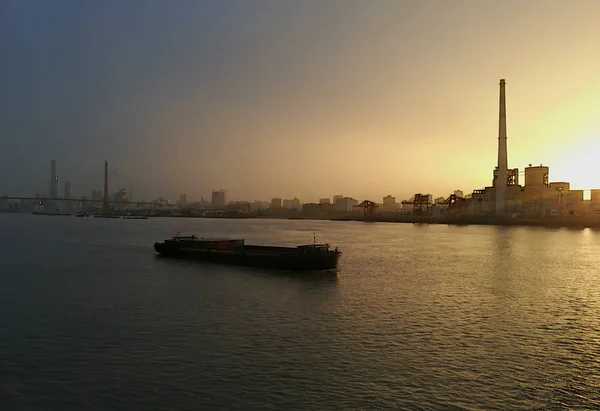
(82, 215)
(135, 217)
(311, 257)
(106, 216)
(45, 213)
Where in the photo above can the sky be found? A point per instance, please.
(284, 98)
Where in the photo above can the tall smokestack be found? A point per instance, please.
(67, 190)
(53, 180)
(501, 181)
(105, 203)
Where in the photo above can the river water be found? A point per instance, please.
(430, 317)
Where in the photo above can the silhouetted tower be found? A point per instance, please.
(105, 203)
(67, 189)
(53, 180)
(501, 181)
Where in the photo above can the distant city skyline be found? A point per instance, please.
(283, 99)
(222, 196)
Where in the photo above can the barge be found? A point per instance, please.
(310, 257)
(47, 213)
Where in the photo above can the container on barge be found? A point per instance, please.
(309, 257)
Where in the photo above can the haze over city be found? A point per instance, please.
(288, 98)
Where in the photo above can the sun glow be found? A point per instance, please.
(580, 164)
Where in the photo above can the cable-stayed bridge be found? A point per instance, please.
(106, 198)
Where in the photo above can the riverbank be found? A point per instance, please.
(552, 222)
(548, 222)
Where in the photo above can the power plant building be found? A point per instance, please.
(537, 197)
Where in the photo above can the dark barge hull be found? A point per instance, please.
(281, 258)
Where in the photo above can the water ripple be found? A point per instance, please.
(418, 318)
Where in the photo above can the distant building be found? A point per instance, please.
(292, 205)
(276, 203)
(240, 206)
(389, 203)
(459, 193)
(324, 201)
(67, 189)
(161, 201)
(337, 197)
(182, 200)
(218, 199)
(259, 205)
(345, 204)
(316, 210)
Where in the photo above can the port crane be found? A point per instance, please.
(455, 203)
(368, 207)
(420, 204)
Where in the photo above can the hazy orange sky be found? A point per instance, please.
(297, 98)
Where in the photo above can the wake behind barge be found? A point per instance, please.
(310, 257)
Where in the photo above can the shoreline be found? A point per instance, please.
(578, 223)
(551, 222)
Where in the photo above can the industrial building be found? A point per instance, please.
(537, 197)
